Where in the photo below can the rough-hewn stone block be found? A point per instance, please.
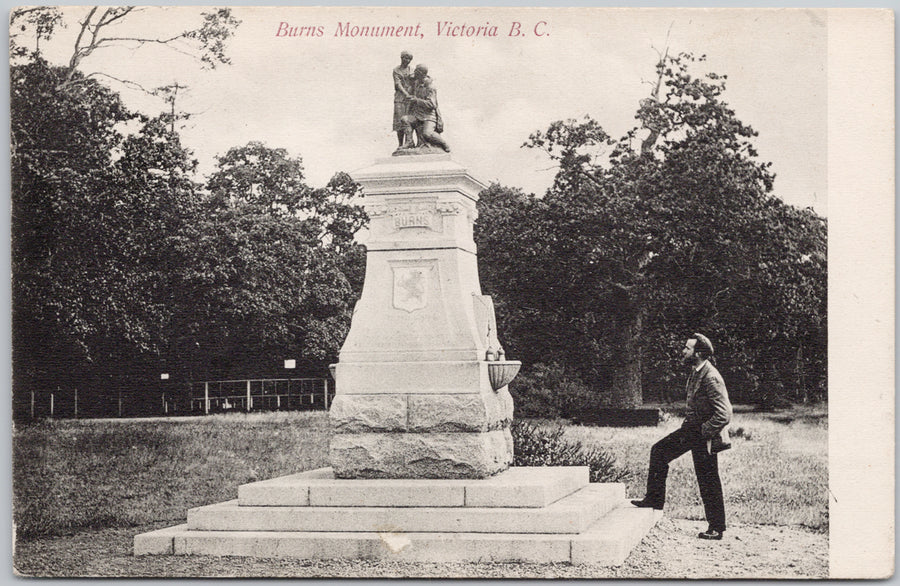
(455, 412)
(420, 455)
(368, 413)
(439, 413)
(506, 404)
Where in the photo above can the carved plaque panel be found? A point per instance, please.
(411, 284)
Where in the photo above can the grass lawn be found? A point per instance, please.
(70, 476)
(775, 474)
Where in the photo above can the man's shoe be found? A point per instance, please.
(645, 504)
(711, 534)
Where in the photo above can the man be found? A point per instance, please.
(402, 82)
(703, 433)
(423, 115)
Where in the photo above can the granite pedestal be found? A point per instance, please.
(414, 397)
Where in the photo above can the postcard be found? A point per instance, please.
(452, 292)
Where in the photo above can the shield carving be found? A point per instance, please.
(410, 288)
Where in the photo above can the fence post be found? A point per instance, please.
(51, 405)
(32, 404)
(76, 403)
(206, 398)
(249, 399)
(326, 394)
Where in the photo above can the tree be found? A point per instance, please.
(270, 181)
(41, 21)
(259, 176)
(97, 208)
(671, 229)
(123, 267)
(94, 214)
(271, 270)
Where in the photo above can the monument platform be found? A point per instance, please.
(546, 514)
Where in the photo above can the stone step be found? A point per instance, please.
(609, 540)
(517, 487)
(571, 514)
(606, 542)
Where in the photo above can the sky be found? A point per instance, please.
(329, 98)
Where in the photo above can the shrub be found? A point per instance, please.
(537, 446)
(550, 391)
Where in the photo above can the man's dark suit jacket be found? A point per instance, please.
(707, 402)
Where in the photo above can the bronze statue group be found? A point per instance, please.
(417, 117)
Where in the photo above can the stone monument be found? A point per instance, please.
(421, 448)
(419, 391)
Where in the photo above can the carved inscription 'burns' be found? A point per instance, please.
(415, 219)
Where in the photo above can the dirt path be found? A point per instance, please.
(670, 550)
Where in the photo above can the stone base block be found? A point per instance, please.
(407, 547)
(519, 487)
(421, 455)
(421, 413)
(394, 373)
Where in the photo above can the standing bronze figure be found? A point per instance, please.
(402, 88)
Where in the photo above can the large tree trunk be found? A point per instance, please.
(626, 379)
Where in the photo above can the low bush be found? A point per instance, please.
(538, 446)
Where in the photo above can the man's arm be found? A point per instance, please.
(721, 406)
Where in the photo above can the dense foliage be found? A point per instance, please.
(641, 241)
(551, 391)
(125, 265)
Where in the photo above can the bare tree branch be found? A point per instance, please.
(648, 143)
(126, 82)
(206, 41)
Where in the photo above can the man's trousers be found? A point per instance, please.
(706, 466)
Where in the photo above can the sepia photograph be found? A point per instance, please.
(433, 292)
